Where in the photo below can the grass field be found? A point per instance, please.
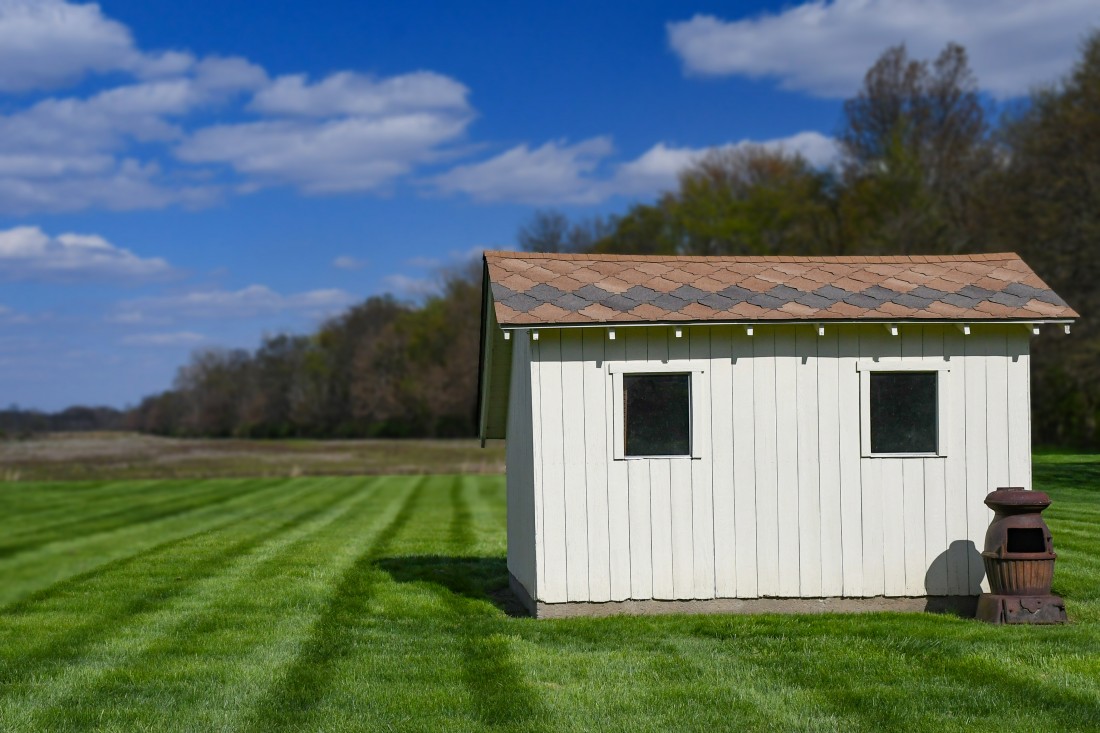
(115, 456)
(339, 604)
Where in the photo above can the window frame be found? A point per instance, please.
(866, 367)
(697, 404)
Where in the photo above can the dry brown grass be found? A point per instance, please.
(103, 456)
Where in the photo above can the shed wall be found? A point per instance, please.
(519, 455)
(782, 504)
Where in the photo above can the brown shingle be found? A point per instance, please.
(547, 289)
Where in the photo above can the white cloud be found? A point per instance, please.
(416, 287)
(138, 145)
(359, 95)
(658, 169)
(29, 253)
(557, 173)
(46, 43)
(825, 48)
(327, 156)
(252, 301)
(172, 338)
(347, 262)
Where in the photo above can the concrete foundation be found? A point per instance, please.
(960, 605)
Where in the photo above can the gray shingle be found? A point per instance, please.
(737, 294)
(618, 302)
(571, 302)
(927, 293)
(690, 294)
(1023, 291)
(973, 291)
(500, 292)
(640, 294)
(911, 301)
(811, 300)
(880, 293)
(1008, 299)
(717, 301)
(545, 293)
(521, 302)
(766, 301)
(1049, 296)
(669, 302)
(833, 293)
(960, 301)
(863, 301)
(785, 293)
(591, 293)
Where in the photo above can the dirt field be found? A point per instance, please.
(76, 456)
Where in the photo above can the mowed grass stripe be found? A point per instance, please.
(32, 571)
(433, 652)
(303, 684)
(34, 504)
(135, 585)
(150, 506)
(132, 637)
(391, 602)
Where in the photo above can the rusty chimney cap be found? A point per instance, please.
(1012, 497)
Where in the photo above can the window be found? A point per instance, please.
(657, 414)
(660, 409)
(903, 405)
(903, 412)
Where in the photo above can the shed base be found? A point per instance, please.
(997, 609)
(959, 605)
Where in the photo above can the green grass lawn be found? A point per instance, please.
(333, 604)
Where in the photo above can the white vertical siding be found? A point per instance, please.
(618, 485)
(521, 472)
(851, 473)
(722, 459)
(787, 458)
(781, 503)
(575, 489)
(808, 466)
(701, 478)
(596, 465)
(934, 511)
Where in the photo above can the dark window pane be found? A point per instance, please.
(658, 414)
(903, 412)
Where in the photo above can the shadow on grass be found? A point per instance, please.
(475, 578)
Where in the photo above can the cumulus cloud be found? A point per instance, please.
(361, 95)
(248, 302)
(172, 338)
(415, 287)
(29, 253)
(658, 168)
(347, 262)
(825, 48)
(558, 173)
(555, 172)
(139, 144)
(327, 156)
(46, 43)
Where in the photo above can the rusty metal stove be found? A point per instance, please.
(1019, 561)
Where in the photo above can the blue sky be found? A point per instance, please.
(181, 175)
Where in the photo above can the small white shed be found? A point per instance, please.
(756, 433)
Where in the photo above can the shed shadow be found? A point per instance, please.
(475, 578)
(958, 568)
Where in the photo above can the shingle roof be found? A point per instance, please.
(553, 289)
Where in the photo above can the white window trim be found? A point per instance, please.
(700, 399)
(866, 366)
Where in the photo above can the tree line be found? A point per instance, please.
(925, 166)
